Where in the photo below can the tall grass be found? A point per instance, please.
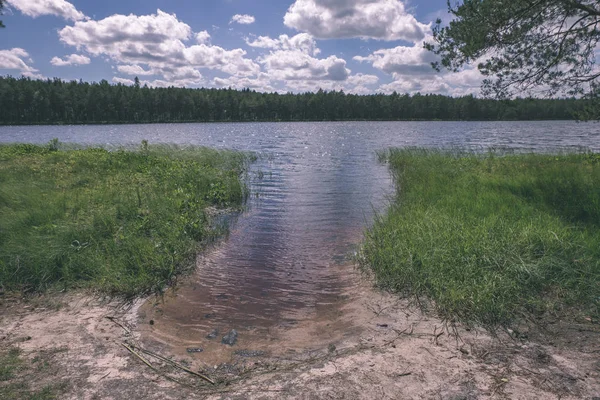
(126, 222)
(488, 237)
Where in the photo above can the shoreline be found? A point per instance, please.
(370, 342)
(397, 351)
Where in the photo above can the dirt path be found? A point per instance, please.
(376, 346)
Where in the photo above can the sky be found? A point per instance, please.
(359, 46)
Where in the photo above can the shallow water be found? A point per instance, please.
(314, 190)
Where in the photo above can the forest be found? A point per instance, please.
(54, 101)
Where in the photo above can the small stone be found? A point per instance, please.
(194, 349)
(230, 338)
(213, 334)
(249, 353)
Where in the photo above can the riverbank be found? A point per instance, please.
(123, 222)
(73, 346)
(362, 343)
(492, 238)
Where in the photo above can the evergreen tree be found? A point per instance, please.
(1, 7)
(53, 101)
(544, 45)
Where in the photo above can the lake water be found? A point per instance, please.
(314, 190)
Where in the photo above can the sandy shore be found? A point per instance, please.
(376, 346)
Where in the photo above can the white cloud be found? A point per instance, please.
(261, 83)
(36, 8)
(459, 83)
(374, 19)
(180, 76)
(242, 19)
(73, 59)
(157, 82)
(134, 70)
(215, 57)
(410, 67)
(362, 79)
(203, 37)
(155, 43)
(123, 81)
(183, 74)
(145, 37)
(402, 60)
(302, 41)
(14, 59)
(355, 84)
(289, 65)
(19, 60)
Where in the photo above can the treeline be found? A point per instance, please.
(53, 101)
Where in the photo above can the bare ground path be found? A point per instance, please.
(377, 346)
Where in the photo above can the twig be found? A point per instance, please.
(132, 351)
(398, 334)
(527, 369)
(177, 365)
(151, 366)
(435, 340)
(498, 388)
(372, 309)
(427, 350)
(114, 320)
(104, 376)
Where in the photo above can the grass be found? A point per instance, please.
(490, 237)
(125, 222)
(17, 375)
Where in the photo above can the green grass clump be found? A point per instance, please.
(125, 222)
(488, 237)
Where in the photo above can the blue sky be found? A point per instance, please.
(360, 46)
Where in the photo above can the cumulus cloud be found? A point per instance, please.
(134, 70)
(19, 60)
(183, 74)
(410, 67)
(302, 41)
(123, 81)
(203, 37)
(242, 19)
(157, 82)
(129, 36)
(402, 60)
(155, 43)
(367, 19)
(459, 83)
(355, 84)
(36, 8)
(362, 80)
(73, 59)
(287, 65)
(260, 83)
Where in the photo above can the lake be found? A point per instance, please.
(314, 189)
